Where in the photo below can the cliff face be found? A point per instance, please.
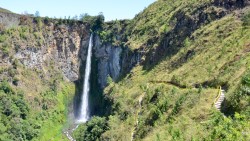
(40, 60)
(52, 47)
(9, 19)
(109, 61)
(113, 61)
(179, 53)
(65, 46)
(62, 46)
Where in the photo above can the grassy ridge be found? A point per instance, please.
(177, 93)
(173, 113)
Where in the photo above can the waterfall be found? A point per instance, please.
(84, 107)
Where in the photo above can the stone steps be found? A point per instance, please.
(220, 100)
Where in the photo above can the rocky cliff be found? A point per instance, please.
(113, 61)
(63, 46)
(166, 63)
(8, 19)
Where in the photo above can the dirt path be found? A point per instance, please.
(137, 117)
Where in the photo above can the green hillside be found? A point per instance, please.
(190, 49)
(179, 54)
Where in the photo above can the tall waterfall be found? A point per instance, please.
(84, 107)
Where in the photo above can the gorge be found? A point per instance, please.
(154, 77)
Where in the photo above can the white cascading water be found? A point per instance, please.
(84, 107)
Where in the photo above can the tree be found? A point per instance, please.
(37, 14)
(83, 16)
(101, 16)
(75, 18)
(92, 131)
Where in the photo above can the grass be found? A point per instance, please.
(156, 20)
(37, 93)
(177, 93)
(53, 127)
(214, 55)
(48, 101)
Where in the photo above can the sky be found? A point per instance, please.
(111, 9)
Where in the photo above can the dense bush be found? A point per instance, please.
(95, 22)
(222, 128)
(14, 111)
(239, 100)
(92, 130)
(246, 19)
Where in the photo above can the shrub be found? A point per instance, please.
(15, 81)
(5, 49)
(175, 80)
(246, 19)
(227, 128)
(3, 38)
(4, 86)
(109, 80)
(46, 20)
(246, 80)
(92, 130)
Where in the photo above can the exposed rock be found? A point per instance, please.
(232, 4)
(9, 19)
(109, 61)
(113, 61)
(62, 48)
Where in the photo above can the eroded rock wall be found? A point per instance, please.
(113, 61)
(62, 48)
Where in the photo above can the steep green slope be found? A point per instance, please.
(185, 51)
(34, 110)
(34, 95)
(189, 49)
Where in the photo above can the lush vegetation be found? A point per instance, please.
(188, 49)
(40, 118)
(33, 106)
(92, 130)
(189, 58)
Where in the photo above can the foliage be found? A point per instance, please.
(109, 80)
(111, 30)
(38, 21)
(239, 99)
(37, 14)
(5, 49)
(177, 94)
(95, 22)
(246, 19)
(3, 38)
(227, 128)
(15, 123)
(162, 103)
(92, 130)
